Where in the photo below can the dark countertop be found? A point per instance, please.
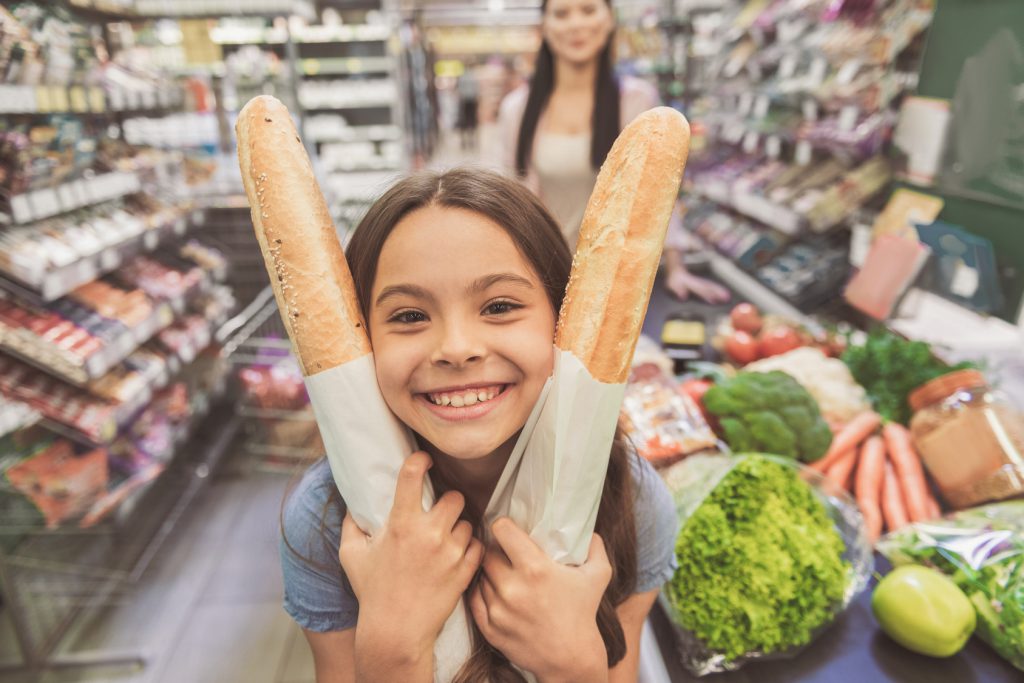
(853, 649)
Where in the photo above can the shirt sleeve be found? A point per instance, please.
(317, 595)
(656, 528)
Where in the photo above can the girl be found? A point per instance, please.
(460, 276)
(557, 131)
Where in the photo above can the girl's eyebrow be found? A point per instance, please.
(482, 283)
(479, 285)
(393, 291)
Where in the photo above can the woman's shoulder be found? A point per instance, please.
(514, 103)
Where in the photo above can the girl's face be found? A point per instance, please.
(577, 30)
(462, 331)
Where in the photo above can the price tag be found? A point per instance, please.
(79, 100)
(80, 190)
(803, 152)
(787, 66)
(761, 107)
(46, 202)
(149, 99)
(21, 208)
(150, 240)
(733, 132)
(848, 118)
(59, 99)
(27, 99)
(132, 99)
(66, 195)
(810, 109)
(116, 101)
(750, 142)
(848, 72)
(110, 259)
(43, 103)
(819, 67)
(745, 104)
(773, 146)
(97, 102)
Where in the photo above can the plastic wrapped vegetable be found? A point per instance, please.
(768, 556)
(769, 412)
(982, 550)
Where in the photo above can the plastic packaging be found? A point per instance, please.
(791, 559)
(982, 550)
(970, 438)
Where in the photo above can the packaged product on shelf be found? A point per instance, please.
(982, 550)
(662, 423)
(159, 280)
(59, 482)
(275, 387)
(128, 306)
(971, 438)
(750, 528)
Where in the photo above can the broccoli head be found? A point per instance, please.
(769, 412)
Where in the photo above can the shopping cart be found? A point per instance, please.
(278, 427)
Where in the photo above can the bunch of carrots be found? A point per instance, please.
(883, 472)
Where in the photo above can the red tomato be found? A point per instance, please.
(696, 388)
(741, 347)
(746, 318)
(778, 341)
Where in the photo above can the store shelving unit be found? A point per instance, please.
(51, 568)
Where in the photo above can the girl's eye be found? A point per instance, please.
(501, 307)
(407, 317)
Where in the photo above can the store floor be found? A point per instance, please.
(209, 609)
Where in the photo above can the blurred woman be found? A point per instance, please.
(557, 131)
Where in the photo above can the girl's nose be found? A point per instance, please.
(457, 346)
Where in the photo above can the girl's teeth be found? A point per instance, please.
(462, 400)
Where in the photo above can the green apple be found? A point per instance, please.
(924, 611)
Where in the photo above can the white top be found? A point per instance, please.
(562, 164)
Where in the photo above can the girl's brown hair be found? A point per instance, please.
(516, 210)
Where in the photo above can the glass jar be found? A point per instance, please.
(971, 439)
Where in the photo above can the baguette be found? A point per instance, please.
(311, 280)
(620, 244)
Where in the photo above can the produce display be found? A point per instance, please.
(890, 367)
(982, 551)
(828, 380)
(770, 413)
(766, 561)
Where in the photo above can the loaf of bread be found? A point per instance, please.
(620, 243)
(307, 268)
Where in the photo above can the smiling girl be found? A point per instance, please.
(460, 276)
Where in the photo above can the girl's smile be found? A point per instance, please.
(462, 331)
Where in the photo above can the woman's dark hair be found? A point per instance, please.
(516, 210)
(605, 120)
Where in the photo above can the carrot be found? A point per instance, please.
(907, 464)
(855, 431)
(893, 510)
(868, 484)
(841, 469)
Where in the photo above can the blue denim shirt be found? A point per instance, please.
(317, 593)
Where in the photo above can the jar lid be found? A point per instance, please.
(941, 387)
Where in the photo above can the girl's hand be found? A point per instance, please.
(409, 576)
(543, 615)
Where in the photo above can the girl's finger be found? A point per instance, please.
(597, 559)
(517, 544)
(462, 534)
(496, 565)
(487, 591)
(448, 508)
(478, 608)
(409, 491)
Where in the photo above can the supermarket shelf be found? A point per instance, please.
(312, 34)
(346, 66)
(360, 134)
(72, 195)
(379, 104)
(86, 100)
(365, 165)
(781, 218)
(752, 290)
(55, 283)
(274, 414)
(26, 418)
